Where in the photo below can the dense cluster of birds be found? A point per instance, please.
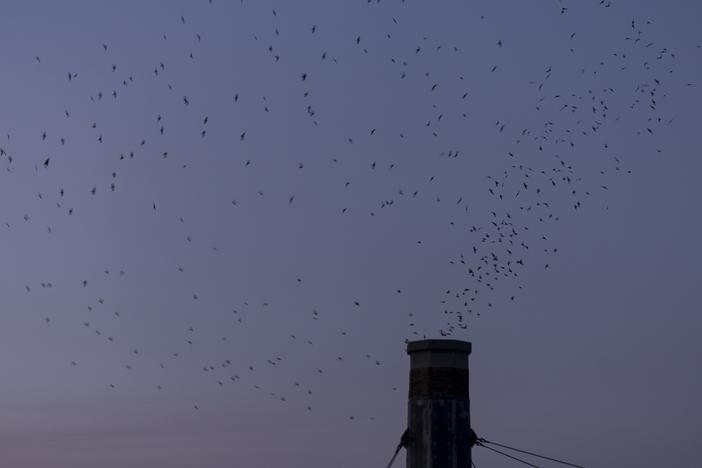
(505, 235)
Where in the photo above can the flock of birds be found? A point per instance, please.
(540, 181)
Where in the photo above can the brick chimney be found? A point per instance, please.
(439, 405)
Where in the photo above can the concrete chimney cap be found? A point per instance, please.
(439, 345)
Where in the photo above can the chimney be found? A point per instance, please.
(439, 432)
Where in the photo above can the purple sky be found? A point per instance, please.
(350, 181)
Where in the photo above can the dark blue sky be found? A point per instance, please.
(522, 175)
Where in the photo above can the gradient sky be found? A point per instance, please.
(390, 146)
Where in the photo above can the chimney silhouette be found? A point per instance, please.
(439, 432)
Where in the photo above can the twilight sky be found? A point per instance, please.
(220, 221)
